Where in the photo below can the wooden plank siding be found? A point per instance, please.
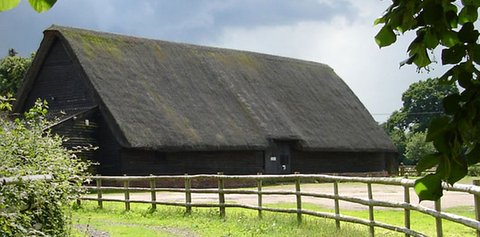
(60, 85)
(141, 162)
(338, 162)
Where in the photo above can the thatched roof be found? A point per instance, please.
(164, 95)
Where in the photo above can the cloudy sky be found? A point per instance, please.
(339, 33)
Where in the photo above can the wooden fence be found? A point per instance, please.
(298, 179)
(18, 179)
(410, 170)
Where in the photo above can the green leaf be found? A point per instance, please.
(421, 58)
(474, 52)
(468, 14)
(458, 170)
(464, 78)
(42, 5)
(8, 4)
(453, 55)
(473, 155)
(431, 12)
(385, 36)
(437, 127)
(473, 3)
(452, 18)
(449, 38)
(430, 39)
(441, 142)
(468, 34)
(380, 20)
(427, 162)
(451, 104)
(429, 187)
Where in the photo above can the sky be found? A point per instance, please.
(339, 33)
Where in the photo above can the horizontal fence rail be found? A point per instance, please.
(297, 179)
(19, 179)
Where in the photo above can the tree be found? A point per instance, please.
(448, 26)
(422, 102)
(416, 148)
(37, 5)
(12, 71)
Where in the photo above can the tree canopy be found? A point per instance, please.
(422, 102)
(12, 71)
(448, 26)
(37, 5)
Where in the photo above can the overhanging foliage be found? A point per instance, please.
(447, 26)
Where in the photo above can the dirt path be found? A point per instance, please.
(380, 192)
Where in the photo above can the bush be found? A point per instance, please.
(36, 208)
(474, 170)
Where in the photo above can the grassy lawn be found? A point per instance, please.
(419, 222)
(171, 221)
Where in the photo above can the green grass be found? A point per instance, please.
(171, 221)
(419, 222)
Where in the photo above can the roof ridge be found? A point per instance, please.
(60, 29)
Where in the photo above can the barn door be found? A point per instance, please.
(278, 160)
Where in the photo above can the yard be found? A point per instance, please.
(112, 220)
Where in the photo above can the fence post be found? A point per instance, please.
(221, 194)
(188, 195)
(438, 220)
(370, 210)
(406, 197)
(299, 199)
(99, 192)
(126, 183)
(337, 206)
(153, 193)
(477, 204)
(259, 194)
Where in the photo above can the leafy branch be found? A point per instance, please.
(37, 5)
(448, 26)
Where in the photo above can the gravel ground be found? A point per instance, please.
(380, 192)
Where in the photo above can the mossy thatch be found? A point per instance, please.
(164, 95)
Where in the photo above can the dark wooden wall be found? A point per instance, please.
(340, 162)
(137, 162)
(60, 84)
(80, 131)
(69, 100)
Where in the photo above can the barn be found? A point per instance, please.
(157, 107)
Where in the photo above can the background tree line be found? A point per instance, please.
(407, 127)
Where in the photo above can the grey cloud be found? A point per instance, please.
(187, 21)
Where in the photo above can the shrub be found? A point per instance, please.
(36, 208)
(474, 170)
